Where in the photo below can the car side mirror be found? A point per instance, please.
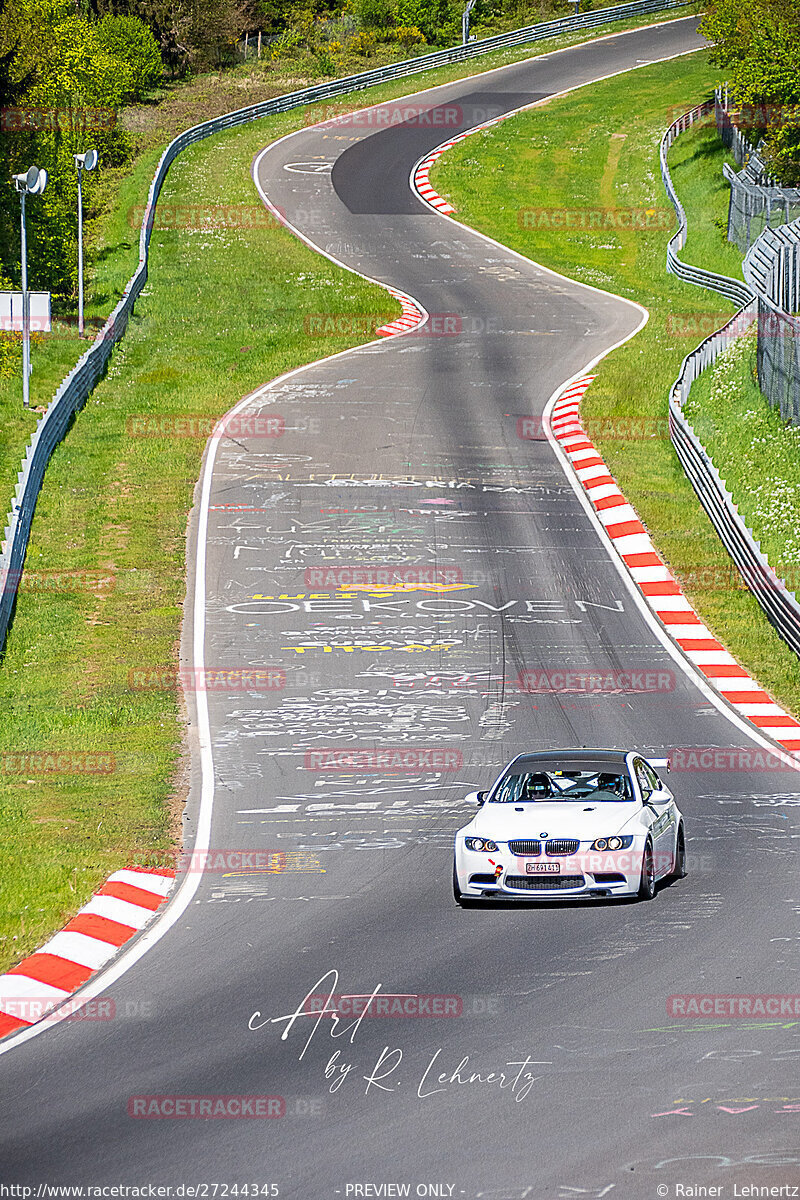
(478, 798)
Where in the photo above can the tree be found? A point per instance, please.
(439, 20)
(758, 42)
(130, 41)
(72, 90)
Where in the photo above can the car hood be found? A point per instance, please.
(564, 819)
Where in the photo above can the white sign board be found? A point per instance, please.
(11, 312)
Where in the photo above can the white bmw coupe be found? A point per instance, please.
(561, 824)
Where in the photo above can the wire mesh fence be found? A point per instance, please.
(756, 201)
(772, 268)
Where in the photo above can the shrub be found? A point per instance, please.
(374, 14)
(782, 151)
(131, 42)
(409, 35)
(362, 43)
(438, 20)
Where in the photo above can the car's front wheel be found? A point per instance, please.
(458, 895)
(679, 870)
(647, 884)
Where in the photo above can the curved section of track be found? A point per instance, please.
(408, 557)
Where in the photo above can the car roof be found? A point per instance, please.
(587, 754)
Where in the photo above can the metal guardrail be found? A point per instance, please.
(76, 387)
(772, 593)
(734, 289)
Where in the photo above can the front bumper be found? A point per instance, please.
(586, 873)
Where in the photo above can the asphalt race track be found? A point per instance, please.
(405, 454)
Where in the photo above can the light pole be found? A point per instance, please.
(84, 162)
(30, 183)
(465, 21)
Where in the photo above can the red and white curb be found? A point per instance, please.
(657, 585)
(124, 904)
(422, 182)
(411, 316)
(413, 313)
(421, 173)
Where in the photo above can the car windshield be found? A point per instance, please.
(611, 784)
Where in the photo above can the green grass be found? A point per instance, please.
(598, 148)
(695, 161)
(755, 452)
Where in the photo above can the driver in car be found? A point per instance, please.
(617, 784)
(537, 787)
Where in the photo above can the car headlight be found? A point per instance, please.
(476, 843)
(613, 843)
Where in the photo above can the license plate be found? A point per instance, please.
(543, 868)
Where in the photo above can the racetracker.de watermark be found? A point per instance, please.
(56, 762)
(220, 862)
(702, 325)
(620, 429)
(388, 116)
(365, 324)
(56, 120)
(391, 758)
(33, 1009)
(205, 216)
(237, 426)
(595, 680)
(207, 679)
(727, 758)
(384, 1004)
(636, 220)
(356, 575)
(707, 1004)
(723, 577)
(69, 582)
(208, 1107)
(745, 115)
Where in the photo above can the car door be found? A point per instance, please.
(661, 807)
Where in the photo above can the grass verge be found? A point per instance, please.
(596, 150)
(755, 452)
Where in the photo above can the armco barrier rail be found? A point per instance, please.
(76, 387)
(771, 592)
(734, 289)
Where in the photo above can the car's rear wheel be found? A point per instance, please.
(647, 884)
(679, 869)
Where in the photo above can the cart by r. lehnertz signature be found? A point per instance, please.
(431, 1074)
